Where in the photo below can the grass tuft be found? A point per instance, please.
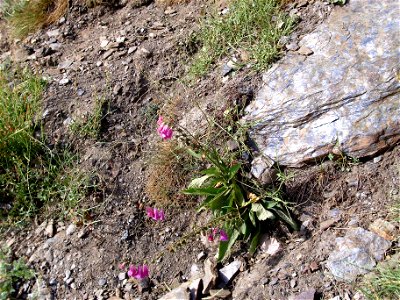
(12, 272)
(26, 16)
(253, 27)
(33, 177)
(91, 125)
(385, 281)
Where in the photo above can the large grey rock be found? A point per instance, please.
(342, 98)
(356, 253)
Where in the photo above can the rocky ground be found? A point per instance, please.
(134, 56)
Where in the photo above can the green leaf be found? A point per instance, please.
(261, 213)
(233, 171)
(211, 171)
(198, 182)
(202, 191)
(194, 154)
(221, 200)
(238, 194)
(252, 218)
(287, 218)
(225, 247)
(254, 242)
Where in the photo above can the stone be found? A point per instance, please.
(104, 43)
(102, 282)
(195, 272)
(269, 245)
(342, 99)
(65, 64)
(356, 254)
(305, 51)
(328, 223)
(201, 255)
(306, 295)
(195, 288)
(117, 89)
(132, 49)
(226, 70)
(70, 229)
(220, 294)
(64, 81)
(262, 170)
(53, 33)
(55, 46)
(210, 275)
(122, 276)
(169, 11)
(108, 53)
(227, 273)
(314, 266)
(50, 229)
(383, 229)
(293, 46)
(180, 293)
(293, 283)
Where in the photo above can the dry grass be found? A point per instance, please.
(28, 16)
(167, 174)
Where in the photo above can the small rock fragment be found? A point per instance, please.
(328, 223)
(306, 295)
(210, 275)
(293, 283)
(50, 229)
(132, 49)
(305, 51)
(70, 229)
(314, 266)
(220, 294)
(227, 273)
(122, 276)
(383, 229)
(102, 282)
(293, 46)
(64, 81)
(169, 11)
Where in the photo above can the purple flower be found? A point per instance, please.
(139, 273)
(223, 236)
(155, 214)
(163, 129)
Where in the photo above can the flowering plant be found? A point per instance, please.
(228, 196)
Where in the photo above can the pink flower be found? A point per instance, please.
(121, 266)
(223, 236)
(155, 214)
(139, 273)
(163, 129)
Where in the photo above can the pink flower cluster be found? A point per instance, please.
(163, 129)
(155, 214)
(139, 272)
(223, 236)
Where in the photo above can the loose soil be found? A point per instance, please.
(137, 77)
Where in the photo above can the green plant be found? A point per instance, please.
(91, 125)
(384, 283)
(32, 176)
(343, 161)
(339, 2)
(243, 206)
(251, 26)
(11, 273)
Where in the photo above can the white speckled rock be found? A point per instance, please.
(343, 97)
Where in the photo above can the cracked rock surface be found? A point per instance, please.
(343, 98)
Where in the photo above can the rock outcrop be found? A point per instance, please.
(343, 98)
